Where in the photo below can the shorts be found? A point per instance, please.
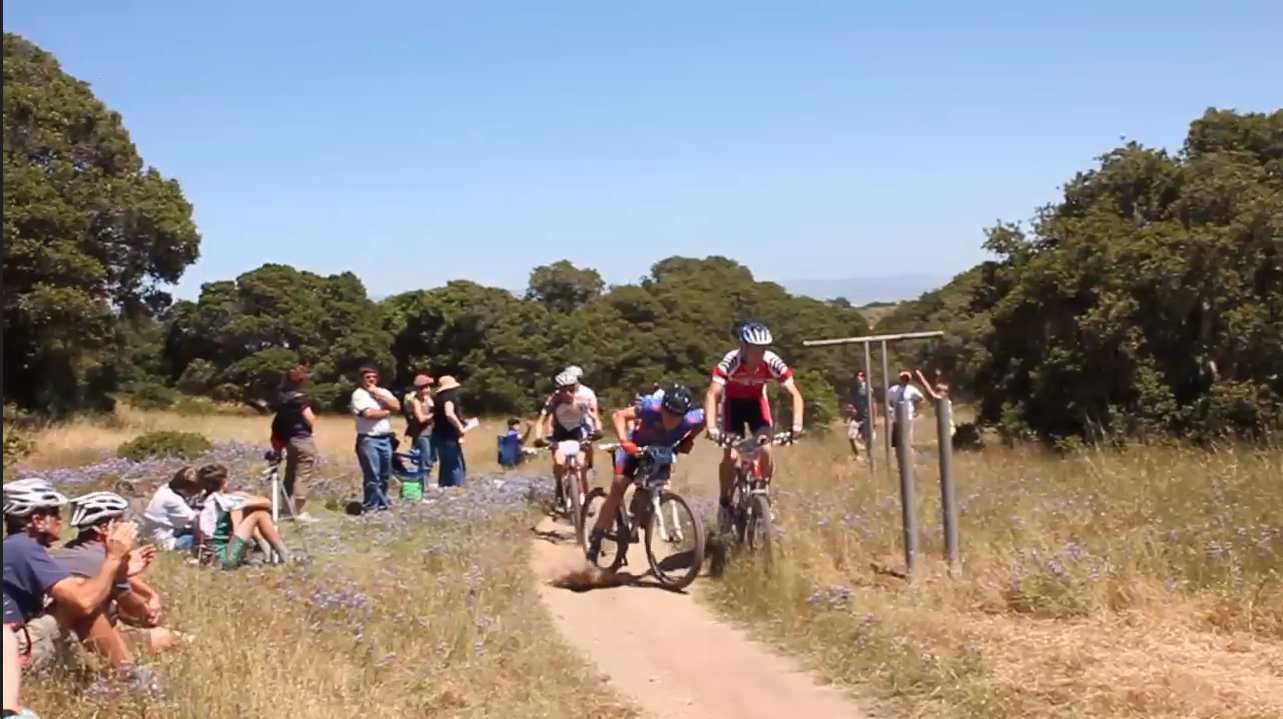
(561, 434)
(736, 413)
(233, 554)
(626, 463)
(859, 430)
(41, 642)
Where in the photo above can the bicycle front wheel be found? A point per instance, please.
(757, 524)
(614, 543)
(577, 507)
(674, 536)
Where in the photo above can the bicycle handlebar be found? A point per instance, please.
(735, 440)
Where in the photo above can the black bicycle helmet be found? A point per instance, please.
(678, 400)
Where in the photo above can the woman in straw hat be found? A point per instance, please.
(448, 429)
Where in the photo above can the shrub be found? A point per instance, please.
(16, 443)
(151, 396)
(966, 438)
(185, 445)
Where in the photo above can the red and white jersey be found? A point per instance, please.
(743, 382)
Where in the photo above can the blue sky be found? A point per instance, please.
(418, 142)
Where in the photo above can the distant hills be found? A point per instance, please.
(864, 290)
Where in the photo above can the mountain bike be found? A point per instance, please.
(570, 499)
(645, 516)
(750, 511)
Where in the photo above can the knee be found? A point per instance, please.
(160, 639)
(10, 644)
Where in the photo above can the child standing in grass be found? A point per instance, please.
(230, 520)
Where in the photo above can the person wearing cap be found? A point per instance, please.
(903, 391)
(373, 407)
(33, 523)
(448, 428)
(418, 421)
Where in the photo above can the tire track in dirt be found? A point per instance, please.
(668, 653)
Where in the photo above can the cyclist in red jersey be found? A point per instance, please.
(739, 382)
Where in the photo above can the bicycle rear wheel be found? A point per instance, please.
(674, 524)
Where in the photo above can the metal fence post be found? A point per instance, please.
(886, 415)
(904, 454)
(948, 500)
(870, 421)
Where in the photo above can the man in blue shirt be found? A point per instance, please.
(667, 422)
(33, 522)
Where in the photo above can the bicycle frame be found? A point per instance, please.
(748, 468)
(654, 496)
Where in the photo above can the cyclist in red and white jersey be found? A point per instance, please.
(739, 382)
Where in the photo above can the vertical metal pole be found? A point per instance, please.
(869, 421)
(948, 500)
(886, 407)
(904, 455)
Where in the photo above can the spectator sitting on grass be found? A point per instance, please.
(170, 520)
(32, 635)
(95, 515)
(230, 520)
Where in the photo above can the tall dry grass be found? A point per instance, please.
(426, 611)
(1140, 583)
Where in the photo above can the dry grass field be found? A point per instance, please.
(1144, 583)
(429, 610)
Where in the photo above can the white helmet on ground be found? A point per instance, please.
(566, 379)
(575, 370)
(97, 506)
(25, 496)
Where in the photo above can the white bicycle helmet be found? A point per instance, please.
(96, 506)
(755, 333)
(25, 496)
(566, 378)
(576, 370)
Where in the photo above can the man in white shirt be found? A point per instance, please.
(373, 407)
(896, 393)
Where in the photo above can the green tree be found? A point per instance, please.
(1108, 314)
(91, 236)
(245, 334)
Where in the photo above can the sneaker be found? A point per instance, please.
(305, 518)
(20, 714)
(594, 547)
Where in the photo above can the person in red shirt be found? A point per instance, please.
(739, 383)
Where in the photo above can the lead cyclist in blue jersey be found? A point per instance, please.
(667, 421)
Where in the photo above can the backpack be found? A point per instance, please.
(407, 410)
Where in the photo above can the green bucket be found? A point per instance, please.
(411, 490)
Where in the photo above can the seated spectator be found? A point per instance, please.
(94, 516)
(230, 520)
(33, 522)
(170, 520)
(510, 454)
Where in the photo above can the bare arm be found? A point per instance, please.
(420, 411)
(930, 391)
(83, 597)
(448, 409)
(711, 395)
(309, 416)
(620, 420)
(799, 405)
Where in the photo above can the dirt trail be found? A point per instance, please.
(669, 654)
